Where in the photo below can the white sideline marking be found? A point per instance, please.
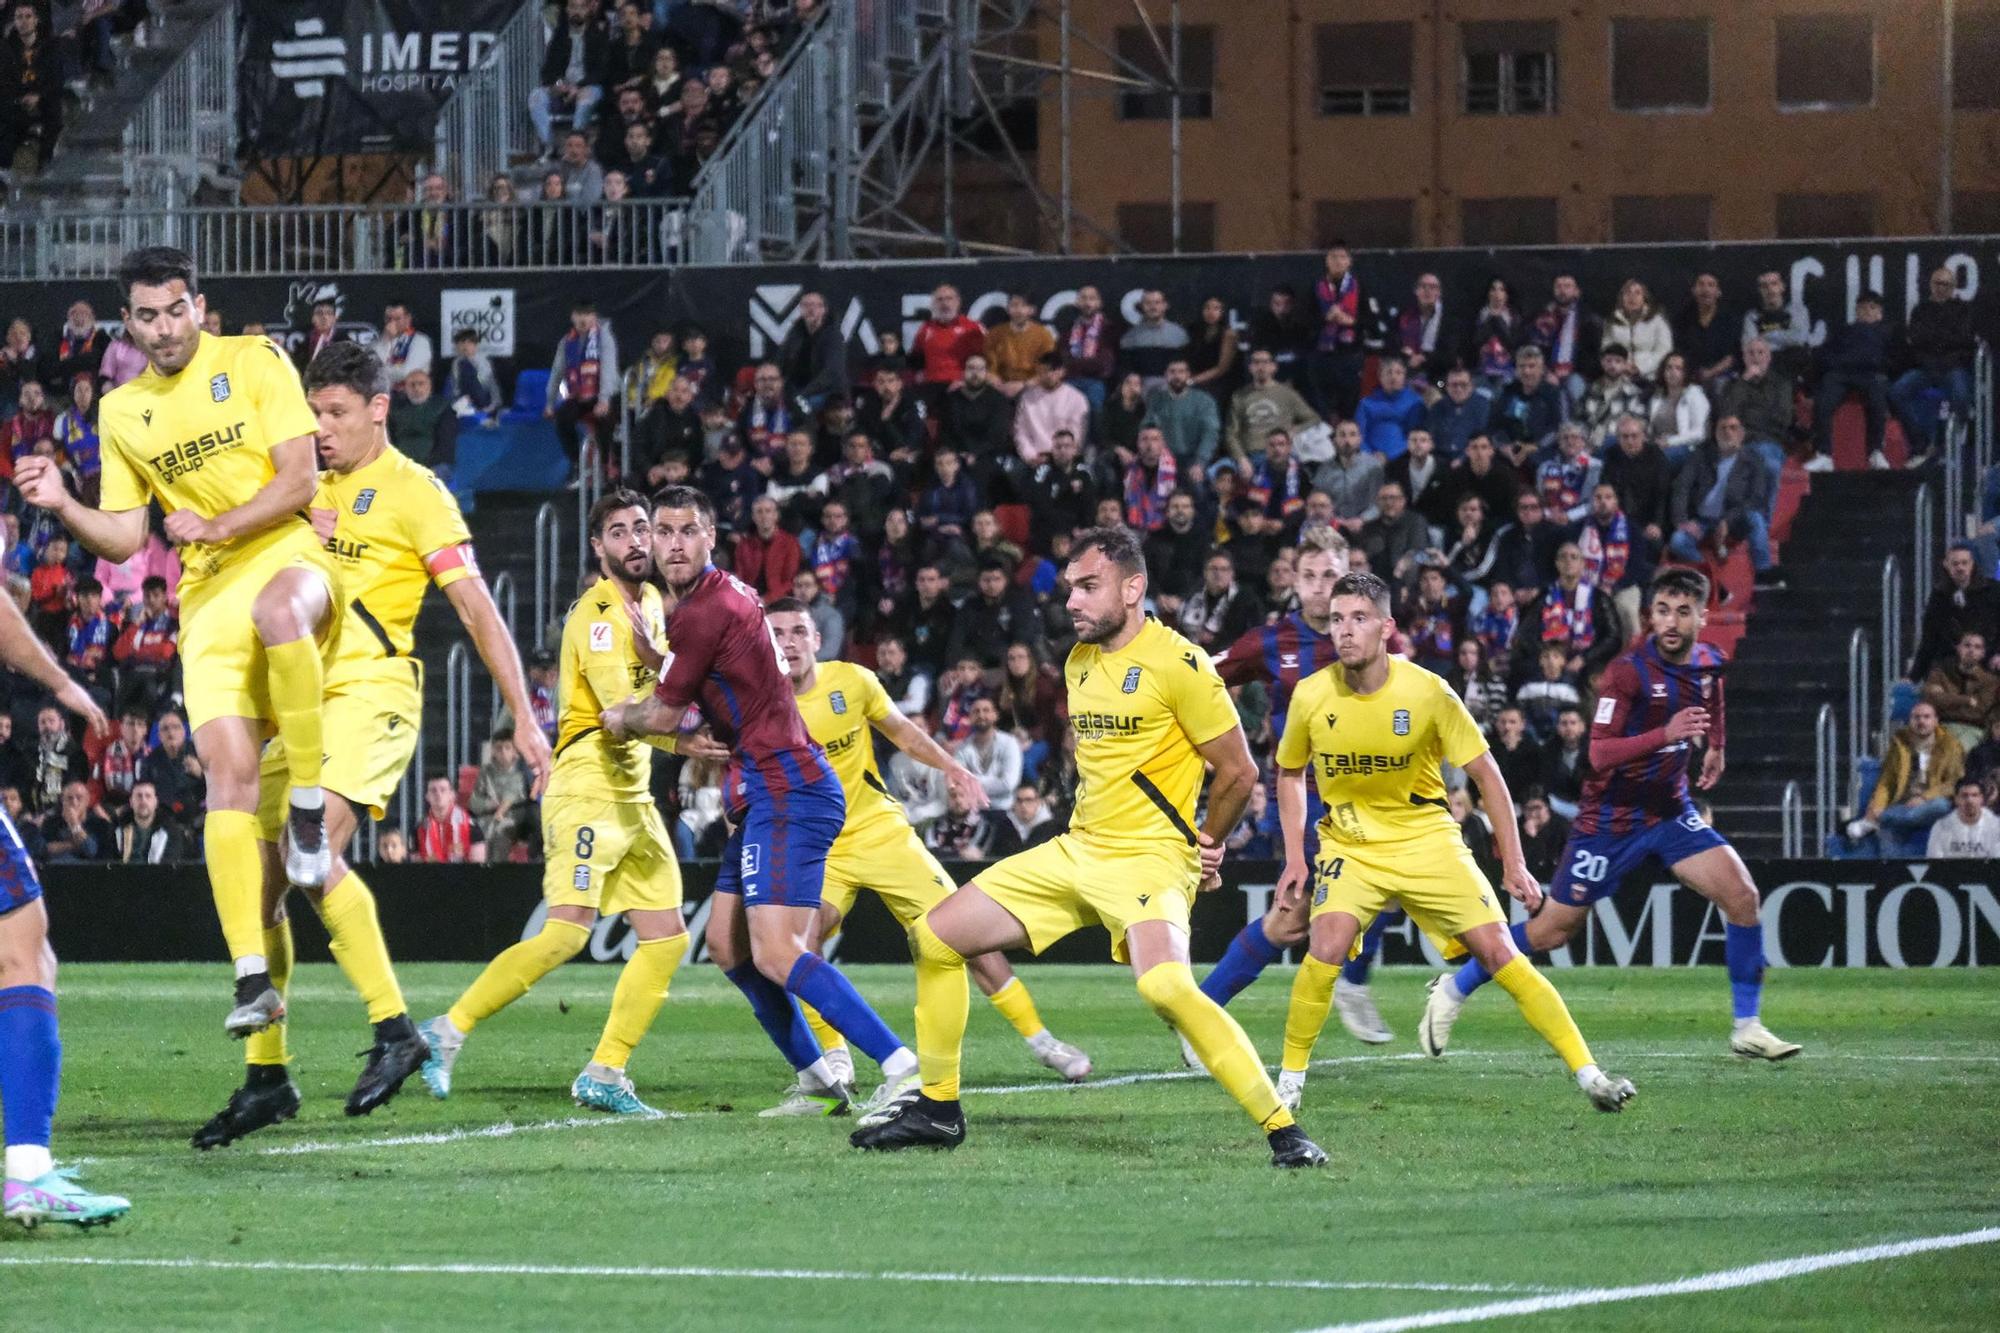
(506, 1129)
(756, 1274)
(1728, 1279)
(1166, 1076)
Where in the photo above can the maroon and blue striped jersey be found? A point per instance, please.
(1637, 778)
(1281, 655)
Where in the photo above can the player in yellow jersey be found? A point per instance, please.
(606, 849)
(843, 705)
(1374, 728)
(1149, 712)
(218, 431)
(393, 529)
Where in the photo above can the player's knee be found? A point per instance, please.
(1167, 987)
(1741, 904)
(927, 947)
(560, 941)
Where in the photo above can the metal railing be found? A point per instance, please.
(503, 597)
(1791, 822)
(1982, 413)
(187, 122)
(410, 791)
(1859, 727)
(1924, 548)
(458, 739)
(1892, 625)
(589, 489)
(485, 123)
(1826, 747)
(548, 535)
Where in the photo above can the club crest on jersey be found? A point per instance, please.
(1659, 691)
(1400, 723)
(580, 881)
(218, 388)
(838, 701)
(1288, 661)
(1131, 685)
(364, 500)
(1705, 684)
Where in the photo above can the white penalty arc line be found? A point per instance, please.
(1728, 1279)
(754, 1274)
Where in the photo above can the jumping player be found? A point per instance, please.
(1659, 701)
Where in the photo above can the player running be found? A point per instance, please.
(1659, 701)
(30, 1044)
(1373, 728)
(1149, 710)
(787, 805)
(394, 529)
(877, 849)
(1281, 655)
(606, 849)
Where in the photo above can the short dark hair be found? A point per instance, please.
(583, 305)
(686, 497)
(325, 303)
(150, 582)
(1870, 297)
(136, 710)
(88, 584)
(1120, 546)
(610, 503)
(501, 734)
(1615, 349)
(791, 604)
(1679, 581)
(1360, 583)
(156, 266)
(347, 365)
(466, 336)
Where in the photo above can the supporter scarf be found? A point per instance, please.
(1263, 488)
(833, 559)
(1562, 483)
(1566, 617)
(1085, 336)
(1146, 506)
(1347, 296)
(1607, 551)
(1495, 631)
(1431, 635)
(581, 363)
(69, 345)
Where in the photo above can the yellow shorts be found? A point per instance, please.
(370, 736)
(1070, 882)
(613, 856)
(1437, 883)
(902, 872)
(222, 658)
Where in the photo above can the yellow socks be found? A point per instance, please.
(1018, 1008)
(829, 1036)
(297, 684)
(1545, 1011)
(1312, 996)
(1222, 1045)
(348, 910)
(511, 975)
(268, 1047)
(236, 878)
(642, 989)
(942, 1003)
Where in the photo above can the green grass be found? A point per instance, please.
(1486, 1168)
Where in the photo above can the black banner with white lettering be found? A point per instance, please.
(357, 76)
(1816, 914)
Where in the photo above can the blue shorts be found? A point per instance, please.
(1594, 864)
(777, 856)
(19, 885)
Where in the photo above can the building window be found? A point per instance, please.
(1365, 224)
(1507, 221)
(1659, 64)
(1975, 54)
(1509, 68)
(1364, 68)
(1149, 228)
(1653, 218)
(1140, 58)
(1806, 217)
(1826, 60)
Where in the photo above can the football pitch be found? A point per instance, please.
(1858, 1184)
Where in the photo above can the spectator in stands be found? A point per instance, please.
(798, 485)
(1641, 329)
(1016, 348)
(33, 423)
(1638, 471)
(1570, 613)
(893, 417)
(670, 428)
(1146, 348)
(1223, 610)
(79, 346)
(942, 344)
(583, 382)
(1965, 694)
(978, 420)
(1565, 761)
(1150, 482)
(75, 831)
(649, 378)
(1970, 831)
(422, 425)
(1391, 412)
(430, 232)
(988, 540)
(767, 557)
(1334, 371)
(445, 833)
(999, 614)
(1569, 336)
(1212, 353)
(1427, 339)
(958, 689)
(1186, 416)
(1352, 478)
(925, 620)
(1482, 471)
(1090, 346)
(864, 485)
(731, 482)
(1617, 392)
(959, 834)
(1519, 758)
(87, 642)
(402, 348)
(1176, 555)
(1062, 493)
(57, 761)
(1706, 335)
(323, 332)
(470, 383)
(1459, 413)
(1530, 408)
(21, 362)
(51, 589)
(813, 359)
(944, 512)
(835, 557)
(768, 416)
(146, 647)
(1920, 771)
(1468, 547)
(1965, 601)
(1498, 332)
(148, 835)
(391, 847)
(907, 684)
(1616, 557)
(1396, 534)
(582, 178)
(1544, 834)
(1025, 822)
(1262, 406)
(1432, 616)
(1724, 493)
(825, 616)
(1855, 360)
(1679, 412)
(1941, 345)
(501, 806)
(1050, 406)
(122, 363)
(575, 65)
(1423, 478)
(1782, 324)
(990, 753)
(647, 172)
(175, 770)
(1283, 329)
(31, 91)
(613, 234)
(1121, 417)
(1473, 679)
(1762, 399)
(1565, 480)
(629, 56)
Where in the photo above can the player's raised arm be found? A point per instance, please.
(913, 741)
(113, 535)
(473, 601)
(23, 652)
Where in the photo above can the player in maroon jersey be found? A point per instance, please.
(1660, 702)
(786, 802)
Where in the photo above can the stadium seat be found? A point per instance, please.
(1866, 774)
(861, 654)
(468, 775)
(1013, 523)
(1794, 484)
(1902, 698)
(531, 396)
(1850, 439)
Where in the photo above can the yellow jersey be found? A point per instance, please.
(1375, 756)
(397, 530)
(840, 711)
(1139, 715)
(202, 440)
(599, 668)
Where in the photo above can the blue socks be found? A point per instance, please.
(820, 984)
(1474, 975)
(779, 1015)
(1743, 947)
(1355, 971)
(30, 1064)
(1244, 961)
